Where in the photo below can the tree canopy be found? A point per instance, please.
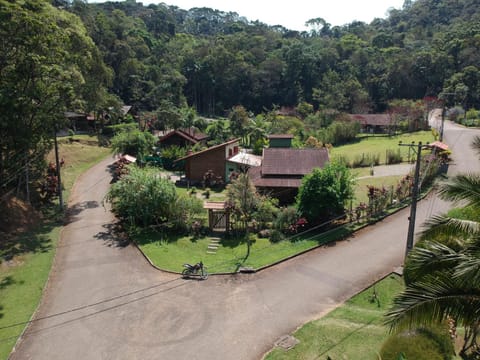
(324, 192)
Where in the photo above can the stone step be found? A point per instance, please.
(212, 252)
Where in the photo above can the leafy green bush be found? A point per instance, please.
(267, 211)
(421, 344)
(170, 154)
(142, 198)
(286, 219)
(365, 159)
(276, 236)
(324, 192)
(135, 143)
(339, 132)
(393, 157)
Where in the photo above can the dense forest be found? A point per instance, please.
(161, 55)
(168, 63)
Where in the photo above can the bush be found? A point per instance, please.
(366, 159)
(420, 344)
(339, 132)
(286, 220)
(266, 212)
(276, 236)
(135, 143)
(324, 192)
(393, 157)
(142, 198)
(170, 154)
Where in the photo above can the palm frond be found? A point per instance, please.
(431, 301)
(442, 225)
(429, 259)
(467, 270)
(476, 144)
(462, 188)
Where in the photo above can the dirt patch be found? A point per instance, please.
(17, 217)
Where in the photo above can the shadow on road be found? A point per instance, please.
(113, 235)
(77, 208)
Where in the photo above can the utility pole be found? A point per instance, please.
(444, 110)
(57, 163)
(413, 206)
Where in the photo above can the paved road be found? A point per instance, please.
(104, 302)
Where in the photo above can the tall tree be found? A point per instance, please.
(45, 55)
(243, 199)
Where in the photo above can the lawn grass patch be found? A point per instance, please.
(78, 156)
(361, 186)
(380, 144)
(26, 261)
(171, 252)
(22, 280)
(355, 330)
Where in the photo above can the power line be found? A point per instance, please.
(104, 301)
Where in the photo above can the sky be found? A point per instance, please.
(294, 13)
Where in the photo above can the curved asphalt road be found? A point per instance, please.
(104, 301)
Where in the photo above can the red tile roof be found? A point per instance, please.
(439, 145)
(194, 133)
(178, 133)
(209, 149)
(287, 161)
(285, 167)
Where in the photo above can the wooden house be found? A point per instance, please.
(282, 169)
(183, 138)
(213, 159)
(373, 123)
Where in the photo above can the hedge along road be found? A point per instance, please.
(103, 300)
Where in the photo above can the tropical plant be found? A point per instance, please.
(443, 281)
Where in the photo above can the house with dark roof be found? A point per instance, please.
(183, 138)
(373, 123)
(213, 159)
(282, 169)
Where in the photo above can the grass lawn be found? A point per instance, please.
(352, 331)
(79, 155)
(361, 190)
(380, 144)
(170, 253)
(26, 262)
(21, 283)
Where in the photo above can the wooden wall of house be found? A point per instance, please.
(197, 166)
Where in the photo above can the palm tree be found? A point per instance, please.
(442, 275)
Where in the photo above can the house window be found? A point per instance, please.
(235, 150)
(230, 153)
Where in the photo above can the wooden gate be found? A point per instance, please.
(218, 216)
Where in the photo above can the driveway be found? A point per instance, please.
(104, 302)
